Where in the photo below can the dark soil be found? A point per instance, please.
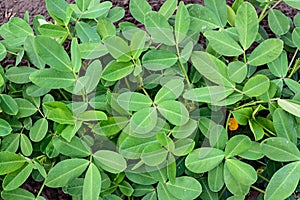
(17, 8)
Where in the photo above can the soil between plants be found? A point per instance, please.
(17, 8)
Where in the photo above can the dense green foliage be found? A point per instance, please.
(111, 110)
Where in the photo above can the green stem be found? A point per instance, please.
(245, 57)
(262, 177)
(252, 103)
(227, 121)
(41, 113)
(263, 11)
(257, 189)
(68, 31)
(61, 92)
(182, 68)
(294, 56)
(267, 12)
(295, 68)
(13, 53)
(222, 192)
(41, 189)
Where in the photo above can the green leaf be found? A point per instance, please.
(140, 176)
(219, 9)
(83, 4)
(139, 9)
(137, 43)
(11, 142)
(278, 22)
(53, 30)
(279, 67)
(110, 161)
(211, 68)
(26, 146)
(285, 176)
(59, 112)
(256, 85)
(118, 48)
(105, 28)
(26, 108)
(242, 172)
(223, 44)
(284, 125)
(159, 59)
(86, 33)
(246, 23)
(243, 115)
(8, 104)
(154, 155)
(75, 55)
(296, 37)
(266, 52)
(163, 193)
(207, 194)
(233, 185)
(92, 115)
(158, 27)
(111, 126)
(290, 106)
(256, 129)
(19, 27)
(237, 71)
(204, 159)
(2, 51)
(116, 13)
(216, 178)
(292, 84)
(170, 91)
(93, 71)
(280, 149)
(168, 7)
(5, 128)
(117, 70)
(133, 101)
(52, 79)
(19, 75)
(17, 194)
(126, 188)
(186, 52)
(74, 148)
(10, 162)
(15, 179)
(185, 188)
(32, 54)
(186, 130)
(183, 146)
(92, 50)
(57, 9)
(2, 82)
(39, 130)
(209, 94)
(65, 171)
(97, 11)
(231, 15)
(174, 111)
(92, 183)
(144, 121)
(254, 153)
(293, 3)
(182, 22)
(52, 53)
(202, 18)
(237, 145)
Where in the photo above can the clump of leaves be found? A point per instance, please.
(107, 110)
